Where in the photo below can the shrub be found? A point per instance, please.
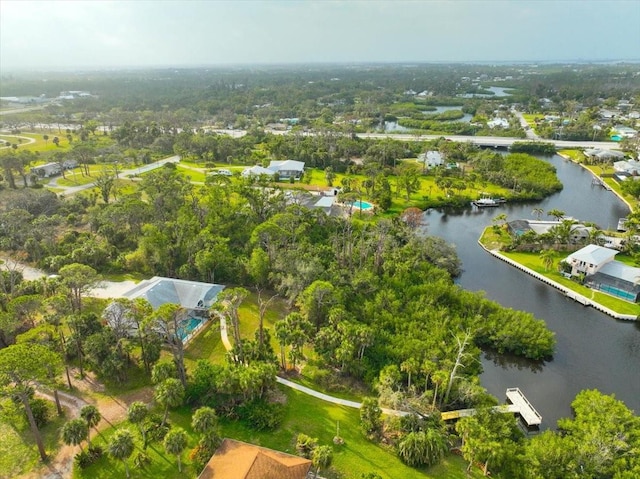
(261, 415)
(40, 410)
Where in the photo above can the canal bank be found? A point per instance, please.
(569, 293)
(593, 350)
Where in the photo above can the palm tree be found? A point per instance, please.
(92, 417)
(538, 212)
(136, 414)
(557, 214)
(547, 256)
(175, 442)
(74, 432)
(121, 447)
(321, 458)
(205, 421)
(169, 393)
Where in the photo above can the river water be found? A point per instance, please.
(593, 350)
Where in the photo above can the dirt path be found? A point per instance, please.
(86, 391)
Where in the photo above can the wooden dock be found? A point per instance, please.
(527, 412)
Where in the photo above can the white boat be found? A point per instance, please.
(487, 202)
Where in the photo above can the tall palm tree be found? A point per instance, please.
(538, 212)
(205, 421)
(321, 458)
(175, 442)
(92, 417)
(169, 393)
(121, 447)
(74, 432)
(136, 414)
(547, 256)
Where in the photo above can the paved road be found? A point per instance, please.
(6, 135)
(531, 135)
(298, 387)
(70, 190)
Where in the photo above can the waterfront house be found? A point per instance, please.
(604, 274)
(597, 154)
(239, 460)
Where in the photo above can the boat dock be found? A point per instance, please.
(527, 412)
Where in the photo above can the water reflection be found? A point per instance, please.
(507, 361)
(593, 350)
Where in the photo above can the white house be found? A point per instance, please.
(604, 274)
(624, 131)
(498, 123)
(631, 167)
(257, 170)
(431, 159)
(287, 168)
(590, 259)
(45, 171)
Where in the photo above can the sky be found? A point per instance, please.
(63, 35)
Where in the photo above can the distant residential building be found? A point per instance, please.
(46, 171)
(632, 167)
(624, 131)
(498, 123)
(431, 159)
(285, 169)
(608, 114)
(579, 232)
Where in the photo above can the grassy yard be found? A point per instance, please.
(533, 261)
(531, 119)
(303, 414)
(18, 451)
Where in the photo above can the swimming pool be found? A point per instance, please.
(616, 138)
(188, 326)
(363, 205)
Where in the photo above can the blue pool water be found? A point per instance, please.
(363, 205)
(616, 138)
(188, 326)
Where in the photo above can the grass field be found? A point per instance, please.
(18, 451)
(356, 457)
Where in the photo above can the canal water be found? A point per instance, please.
(593, 350)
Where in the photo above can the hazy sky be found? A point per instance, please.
(64, 34)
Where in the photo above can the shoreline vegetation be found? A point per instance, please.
(532, 264)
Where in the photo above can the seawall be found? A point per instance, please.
(567, 292)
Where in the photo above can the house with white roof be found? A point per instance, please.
(191, 295)
(604, 274)
(287, 168)
(257, 170)
(631, 167)
(603, 155)
(624, 131)
(431, 159)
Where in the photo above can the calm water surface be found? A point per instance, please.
(593, 350)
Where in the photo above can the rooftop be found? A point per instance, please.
(188, 294)
(239, 460)
(593, 254)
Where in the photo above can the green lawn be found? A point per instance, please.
(355, 457)
(18, 451)
(531, 119)
(533, 261)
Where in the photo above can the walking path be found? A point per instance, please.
(133, 172)
(298, 387)
(29, 140)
